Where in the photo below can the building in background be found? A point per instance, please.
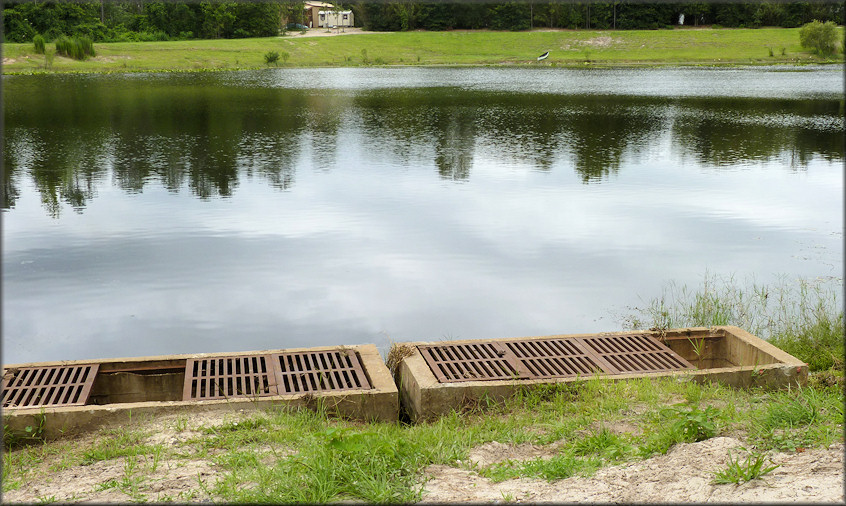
(331, 19)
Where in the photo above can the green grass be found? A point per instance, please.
(567, 48)
(739, 472)
(305, 456)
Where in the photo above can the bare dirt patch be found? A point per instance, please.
(118, 480)
(494, 452)
(323, 32)
(601, 41)
(683, 475)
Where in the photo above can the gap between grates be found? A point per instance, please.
(273, 374)
(28, 387)
(546, 358)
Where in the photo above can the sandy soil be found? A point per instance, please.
(322, 32)
(683, 475)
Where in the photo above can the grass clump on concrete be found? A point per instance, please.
(803, 318)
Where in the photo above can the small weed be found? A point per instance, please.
(271, 57)
(696, 425)
(739, 472)
(557, 468)
(32, 433)
(106, 485)
(120, 444)
(770, 51)
(603, 443)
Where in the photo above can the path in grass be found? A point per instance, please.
(567, 47)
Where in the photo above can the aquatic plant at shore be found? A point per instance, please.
(77, 48)
(803, 318)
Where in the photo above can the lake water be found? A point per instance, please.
(181, 213)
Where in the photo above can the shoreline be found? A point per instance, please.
(798, 66)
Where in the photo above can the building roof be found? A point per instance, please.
(321, 5)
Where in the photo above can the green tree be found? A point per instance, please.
(819, 37)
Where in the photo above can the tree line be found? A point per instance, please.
(141, 20)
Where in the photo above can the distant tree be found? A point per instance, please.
(512, 16)
(819, 37)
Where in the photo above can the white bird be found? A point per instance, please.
(543, 56)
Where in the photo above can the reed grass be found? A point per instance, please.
(78, 48)
(38, 44)
(802, 317)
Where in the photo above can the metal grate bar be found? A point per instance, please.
(305, 372)
(228, 377)
(636, 353)
(547, 358)
(472, 362)
(28, 387)
(558, 358)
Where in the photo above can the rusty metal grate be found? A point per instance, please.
(550, 358)
(28, 387)
(636, 353)
(225, 377)
(273, 374)
(318, 371)
(556, 358)
(472, 362)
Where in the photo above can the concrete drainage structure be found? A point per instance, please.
(438, 377)
(69, 396)
(431, 378)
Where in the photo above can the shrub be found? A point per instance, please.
(819, 37)
(271, 57)
(38, 41)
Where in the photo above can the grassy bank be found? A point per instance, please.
(303, 456)
(567, 48)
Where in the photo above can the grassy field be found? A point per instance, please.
(567, 48)
(304, 456)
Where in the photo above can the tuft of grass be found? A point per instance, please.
(38, 44)
(558, 467)
(118, 443)
(78, 48)
(740, 472)
(603, 443)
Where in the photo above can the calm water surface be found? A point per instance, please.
(154, 214)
